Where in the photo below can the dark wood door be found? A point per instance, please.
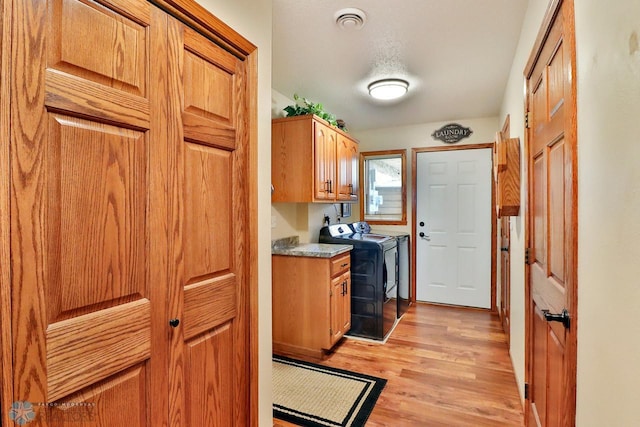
(551, 221)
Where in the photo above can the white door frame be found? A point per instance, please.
(414, 153)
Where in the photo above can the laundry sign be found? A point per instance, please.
(451, 133)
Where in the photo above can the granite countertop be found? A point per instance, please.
(290, 246)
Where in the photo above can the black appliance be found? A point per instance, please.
(404, 269)
(404, 276)
(374, 277)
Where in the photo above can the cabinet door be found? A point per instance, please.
(346, 304)
(340, 306)
(338, 289)
(347, 153)
(325, 162)
(209, 285)
(87, 218)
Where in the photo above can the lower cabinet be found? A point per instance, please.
(311, 303)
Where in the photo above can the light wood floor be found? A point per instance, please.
(444, 367)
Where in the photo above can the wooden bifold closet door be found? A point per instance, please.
(129, 193)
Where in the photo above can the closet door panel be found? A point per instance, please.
(96, 42)
(212, 344)
(81, 241)
(210, 97)
(207, 404)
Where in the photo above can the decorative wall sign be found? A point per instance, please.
(451, 133)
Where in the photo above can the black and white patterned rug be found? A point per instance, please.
(312, 395)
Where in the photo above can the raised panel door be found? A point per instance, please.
(209, 286)
(347, 154)
(335, 316)
(551, 225)
(353, 166)
(345, 323)
(453, 211)
(324, 162)
(83, 213)
(505, 276)
(340, 306)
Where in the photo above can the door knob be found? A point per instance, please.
(563, 317)
(174, 323)
(424, 236)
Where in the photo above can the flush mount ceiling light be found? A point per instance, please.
(350, 18)
(387, 89)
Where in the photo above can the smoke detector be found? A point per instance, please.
(350, 18)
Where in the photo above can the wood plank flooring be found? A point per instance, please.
(444, 366)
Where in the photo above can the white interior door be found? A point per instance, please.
(453, 223)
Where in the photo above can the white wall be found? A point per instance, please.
(252, 19)
(513, 105)
(608, 69)
(419, 136)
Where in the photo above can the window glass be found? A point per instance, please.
(383, 198)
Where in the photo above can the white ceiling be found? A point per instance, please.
(456, 55)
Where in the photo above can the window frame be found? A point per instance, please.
(381, 154)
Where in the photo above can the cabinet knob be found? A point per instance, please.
(174, 323)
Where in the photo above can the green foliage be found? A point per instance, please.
(303, 107)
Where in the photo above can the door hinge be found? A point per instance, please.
(330, 332)
(527, 116)
(526, 391)
(528, 256)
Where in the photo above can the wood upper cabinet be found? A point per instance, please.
(324, 151)
(311, 300)
(506, 169)
(312, 161)
(348, 159)
(129, 301)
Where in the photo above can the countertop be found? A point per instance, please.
(289, 246)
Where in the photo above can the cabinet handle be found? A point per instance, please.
(330, 186)
(174, 323)
(327, 186)
(351, 189)
(344, 288)
(344, 265)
